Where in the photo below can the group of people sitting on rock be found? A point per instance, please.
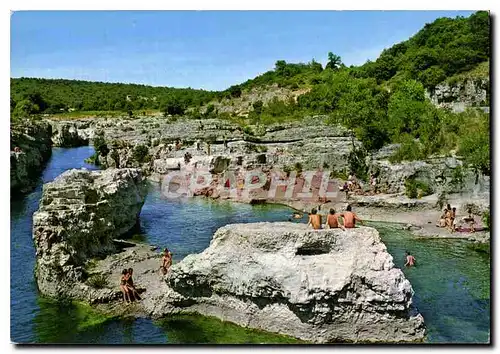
(449, 220)
(349, 219)
(352, 185)
(127, 287)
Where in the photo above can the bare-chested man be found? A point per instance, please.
(314, 220)
(410, 260)
(332, 220)
(350, 218)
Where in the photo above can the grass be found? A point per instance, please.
(98, 281)
(185, 329)
(87, 316)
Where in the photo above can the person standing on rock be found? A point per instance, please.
(332, 220)
(410, 260)
(167, 261)
(314, 220)
(350, 218)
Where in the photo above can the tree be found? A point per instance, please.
(257, 106)
(173, 106)
(334, 61)
(235, 91)
(316, 67)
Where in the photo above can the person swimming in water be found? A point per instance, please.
(410, 260)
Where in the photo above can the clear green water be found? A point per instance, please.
(452, 283)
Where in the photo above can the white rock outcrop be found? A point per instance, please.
(321, 286)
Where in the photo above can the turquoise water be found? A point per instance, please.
(452, 283)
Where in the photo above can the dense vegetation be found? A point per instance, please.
(382, 102)
(30, 96)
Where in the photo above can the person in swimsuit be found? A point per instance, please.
(470, 220)
(442, 220)
(314, 220)
(350, 218)
(130, 284)
(332, 220)
(410, 260)
(123, 286)
(453, 219)
(166, 262)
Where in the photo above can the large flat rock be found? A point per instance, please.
(321, 286)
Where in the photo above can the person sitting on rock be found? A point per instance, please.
(314, 220)
(410, 260)
(470, 220)
(123, 286)
(442, 219)
(166, 261)
(130, 284)
(350, 218)
(332, 220)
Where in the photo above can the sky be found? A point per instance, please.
(210, 50)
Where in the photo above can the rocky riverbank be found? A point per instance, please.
(30, 148)
(185, 147)
(81, 212)
(320, 286)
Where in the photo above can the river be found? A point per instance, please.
(451, 282)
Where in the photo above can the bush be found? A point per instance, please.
(287, 169)
(100, 146)
(486, 218)
(97, 281)
(416, 189)
(140, 153)
(298, 167)
(357, 163)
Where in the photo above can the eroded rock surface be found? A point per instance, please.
(30, 148)
(321, 286)
(80, 214)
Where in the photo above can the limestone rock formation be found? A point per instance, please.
(462, 94)
(321, 286)
(71, 134)
(30, 148)
(80, 214)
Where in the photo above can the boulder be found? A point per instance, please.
(321, 286)
(80, 214)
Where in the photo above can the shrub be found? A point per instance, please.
(486, 218)
(140, 153)
(100, 146)
(416, 189)
(287, 169)
(298, 167)
(97, 281)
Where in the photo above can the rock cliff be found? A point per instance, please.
(30, 148)
(80, 214)
(71, 134)
(472, 92)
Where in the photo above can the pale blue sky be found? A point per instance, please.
(199, 49)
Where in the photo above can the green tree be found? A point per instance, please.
(334, 61)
